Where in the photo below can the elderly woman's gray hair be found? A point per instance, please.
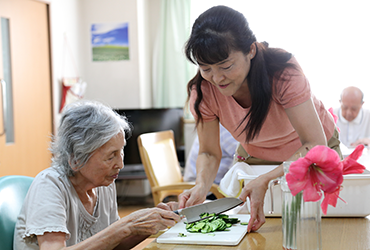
(85, 126)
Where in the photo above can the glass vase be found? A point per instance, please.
(301, 221)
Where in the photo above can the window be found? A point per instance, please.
(6, 84)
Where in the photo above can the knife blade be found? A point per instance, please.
(193, 213)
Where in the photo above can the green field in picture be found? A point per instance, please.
(110, 53)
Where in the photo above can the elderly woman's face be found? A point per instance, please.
(105, 163)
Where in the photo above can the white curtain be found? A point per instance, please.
(171, 70)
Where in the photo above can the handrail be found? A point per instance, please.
(3, 92)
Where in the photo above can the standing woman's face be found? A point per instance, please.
(229, 76)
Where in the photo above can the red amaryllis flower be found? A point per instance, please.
(319, 170)
(322, 171)
(349, 166)
(330, 199)
(335, 117)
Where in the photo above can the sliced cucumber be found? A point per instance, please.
(215, 223)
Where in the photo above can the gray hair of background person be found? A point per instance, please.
(85, 126)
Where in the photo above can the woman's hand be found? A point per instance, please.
(255, 190)
(151, 220)
(193, 196)
(170, 206)
(364, 141)
(124, 233)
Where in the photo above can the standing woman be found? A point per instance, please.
(259, 94)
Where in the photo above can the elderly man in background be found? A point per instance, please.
(353, 120)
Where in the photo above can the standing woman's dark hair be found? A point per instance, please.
(221, 30)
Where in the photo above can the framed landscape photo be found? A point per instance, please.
(109, 42)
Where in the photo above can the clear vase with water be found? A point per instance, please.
(301, 221)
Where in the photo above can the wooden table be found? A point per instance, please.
(336, 233)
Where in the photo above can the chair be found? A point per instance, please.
(13, 190)
(162, 168)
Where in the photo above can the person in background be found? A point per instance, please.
(260, 95)
(73, 203)
(353, 120)
(228, 146)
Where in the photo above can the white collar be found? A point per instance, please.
(357, 120)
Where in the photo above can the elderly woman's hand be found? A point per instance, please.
(255, 190)
(170, 206)
(151, 220)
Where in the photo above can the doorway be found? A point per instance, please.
(25, 70)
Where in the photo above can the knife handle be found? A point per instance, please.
(178, 211)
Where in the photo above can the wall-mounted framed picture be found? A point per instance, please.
(109, 42)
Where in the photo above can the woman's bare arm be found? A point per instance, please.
(207, 164)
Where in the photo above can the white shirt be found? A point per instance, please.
(52, 205)
(352, 131)
(228, 146)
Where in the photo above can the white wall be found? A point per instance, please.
(120, 84)
(113, 82)
(148, 25)
(64, 20)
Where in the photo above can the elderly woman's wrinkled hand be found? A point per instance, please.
(151, 220)
(255, 190)
(170, 206)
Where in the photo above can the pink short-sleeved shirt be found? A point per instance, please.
(277, 140)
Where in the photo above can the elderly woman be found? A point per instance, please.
(73, 204)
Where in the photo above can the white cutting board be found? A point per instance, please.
(230, 238)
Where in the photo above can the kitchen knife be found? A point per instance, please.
(193, 213)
